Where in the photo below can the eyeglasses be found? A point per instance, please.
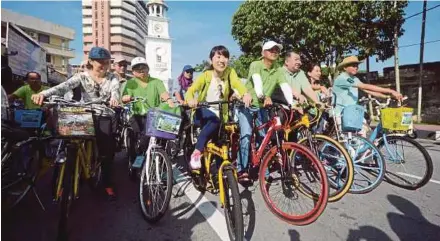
(97, 89)
(274, 50)
(189, 71)
(141, 71)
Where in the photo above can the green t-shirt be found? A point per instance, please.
(25, 93)
(271, 78)
(346, 91)
(151, 92)
(298, 81)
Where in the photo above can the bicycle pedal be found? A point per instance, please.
(138, 162)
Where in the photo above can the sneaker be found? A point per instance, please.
(110, 193)
(195, 162)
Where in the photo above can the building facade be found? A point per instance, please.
(53, 37)
(158, 42)
(119, 26)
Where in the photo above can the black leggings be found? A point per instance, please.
(104, 128)
(138, 126)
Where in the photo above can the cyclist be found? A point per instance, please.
(314, 74)
(214, 84)
(25, 92)
(264, 76)
(145, 86)
(184, 81)
(347, 84)
(95, 83)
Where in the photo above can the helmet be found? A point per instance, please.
(99, 53)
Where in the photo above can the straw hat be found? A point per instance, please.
(349, 60)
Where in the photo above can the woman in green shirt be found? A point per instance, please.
(145, 86)
(213, 85)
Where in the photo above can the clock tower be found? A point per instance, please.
(158, 42)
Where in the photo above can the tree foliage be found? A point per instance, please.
(319, 31)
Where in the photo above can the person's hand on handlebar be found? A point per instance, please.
(301, 99)
(113, 102)
(398, 96)
(193, 103)
(126, 98)
(299, 109)
(37, 99)
(247, 99)
(267, 101)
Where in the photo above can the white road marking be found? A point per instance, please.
(215, 218)
(409, 175)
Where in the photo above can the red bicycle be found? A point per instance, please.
(290, 170)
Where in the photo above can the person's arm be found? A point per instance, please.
(63, 88)
(374, 88)
(114, 90)
(243, 92)
(316, 86)
(20, 93)
(376, 94)
(195, 87)
(285, 87)
(178, 97)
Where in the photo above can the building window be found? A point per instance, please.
(158, 58)
(48, 58)
(43, 38)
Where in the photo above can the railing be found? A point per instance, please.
(57, 47)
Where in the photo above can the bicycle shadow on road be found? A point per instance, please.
(367, 233)
(248, 208)
(411, 224)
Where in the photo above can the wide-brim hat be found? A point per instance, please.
(349, 60)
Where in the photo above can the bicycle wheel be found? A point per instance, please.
(19, 172)
(155, 186)
(67, 191)
(369, 164)
(409, 165)
(129, 136)
(337, 162)
(302, 171)
(232, 207)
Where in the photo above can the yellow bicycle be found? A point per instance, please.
(225, 181)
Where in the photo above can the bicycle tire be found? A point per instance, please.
(234, 214)
(349, 170)
(34, 164)
(427, 158)
(358, 165)
(67, 192)
(131, 153)
(319, 203)
(145, 201)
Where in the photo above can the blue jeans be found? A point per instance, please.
(245, 117)
(210, 124)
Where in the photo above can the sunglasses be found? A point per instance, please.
(189, 71)
(33, 78)
(274, 50)
(97, 90)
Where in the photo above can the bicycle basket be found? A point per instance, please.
(74, 121)
(352, 118)
(396, 119)
(28, 118)
(162, 124)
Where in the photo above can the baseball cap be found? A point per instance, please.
(138, 60)
(119, 60)
(99, 53)
(187, 67)
(270, 44)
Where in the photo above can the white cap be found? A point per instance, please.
(119, 60)
(138, 60)
(270, 44)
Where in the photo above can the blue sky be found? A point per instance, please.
(197, 26)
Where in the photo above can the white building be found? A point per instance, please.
(158, 42)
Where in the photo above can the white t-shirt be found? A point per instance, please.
(215, 93)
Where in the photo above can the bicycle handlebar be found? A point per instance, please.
(380, 104)
(98, 104)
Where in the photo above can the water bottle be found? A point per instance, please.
(61, 157)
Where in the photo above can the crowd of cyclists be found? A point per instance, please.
(266, 83)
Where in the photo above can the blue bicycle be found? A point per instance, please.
(409, 165)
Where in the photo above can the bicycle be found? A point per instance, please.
(369, 164)
(274, 160)
(125, 135)
(397, 172)
(156, 180)
(225, 182)
(75, 154)
(335, 158)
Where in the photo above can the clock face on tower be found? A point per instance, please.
(158, 28)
